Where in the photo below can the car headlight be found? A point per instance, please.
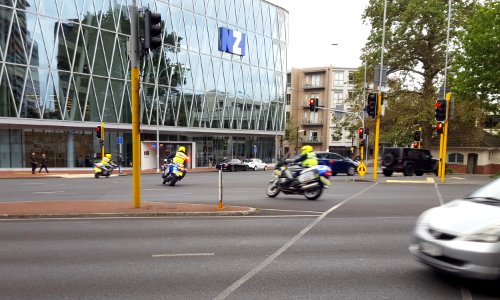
(490, 234)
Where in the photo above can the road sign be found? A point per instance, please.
(361, 169)
(120, 140)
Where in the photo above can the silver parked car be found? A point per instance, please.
(463, 236)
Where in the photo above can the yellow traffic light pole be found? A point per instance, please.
(377, 136)
(102, 140)
(445, 137)
(136, 134)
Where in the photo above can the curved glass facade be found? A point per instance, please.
(64, 69)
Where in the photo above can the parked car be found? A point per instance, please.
(462, 237)
(232, 164)
(255, 164)
(410, 161)
(337, 163)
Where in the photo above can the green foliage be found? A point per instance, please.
(478, 60)
(415, 52)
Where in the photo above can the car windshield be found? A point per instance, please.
(247, 160)
(226, 160)
(487, 193)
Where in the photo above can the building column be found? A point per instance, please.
(70, 149)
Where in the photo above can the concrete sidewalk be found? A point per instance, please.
(97, 209)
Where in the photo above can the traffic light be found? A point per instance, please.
(312, 104)
(152, 30)
(361, 131)
(439, 127)
(98, 132)
(316, 104)
(440, 110)
(371, 106)
(417, 136)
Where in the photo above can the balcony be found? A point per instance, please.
(311, 86)
(317, 122)
(311, 140)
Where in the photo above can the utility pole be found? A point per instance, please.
(135, 78)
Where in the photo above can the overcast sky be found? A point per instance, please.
(316, 24)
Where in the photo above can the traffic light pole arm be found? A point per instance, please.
(332, 110)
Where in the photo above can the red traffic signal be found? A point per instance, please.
(440, 115)
(312, 104)
(439, 127)
(98, 132)
(361, 132)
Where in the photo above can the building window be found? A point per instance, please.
(313, 80)
(288, 99)
(351, 78)
(288, 79)
(456, 158)
(337, 98)
(338, 78)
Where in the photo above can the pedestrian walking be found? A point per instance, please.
(33, 163)
(43, 164)
(120, 163)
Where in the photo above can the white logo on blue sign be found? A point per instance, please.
(231, 41)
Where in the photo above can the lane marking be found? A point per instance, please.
(228, 291)
(428, 180)
(182, 254)
(53, 192)
(440, 197)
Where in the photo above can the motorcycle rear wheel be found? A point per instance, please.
(314, 193)
(272, 190)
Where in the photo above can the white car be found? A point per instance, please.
(462, 237)
(255, 164)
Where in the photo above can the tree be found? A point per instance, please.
(415, 43)
(477, 71)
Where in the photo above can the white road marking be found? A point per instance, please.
(428, 180)
(182, 254)
(227, 292)
(53, 192)
(440, 197)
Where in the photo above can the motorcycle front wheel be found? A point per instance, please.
(314, 193)
(272, 189)
(97, 175)
(172, 180)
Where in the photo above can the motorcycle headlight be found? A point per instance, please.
(490, 234)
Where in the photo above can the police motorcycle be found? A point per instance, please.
(309, 182)
(172, 172)
(101, 169)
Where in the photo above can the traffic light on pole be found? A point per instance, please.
(417, 136)
(371, 105)
(98, 132)
(312, 104)
(439, 127)
(152, 30)
(440, 110)
(361, 132)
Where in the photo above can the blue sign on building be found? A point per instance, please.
(232, 41)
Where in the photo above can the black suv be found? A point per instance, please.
(409, 161)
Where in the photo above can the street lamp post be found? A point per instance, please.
(297, 140)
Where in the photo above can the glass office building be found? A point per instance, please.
(64, 70)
